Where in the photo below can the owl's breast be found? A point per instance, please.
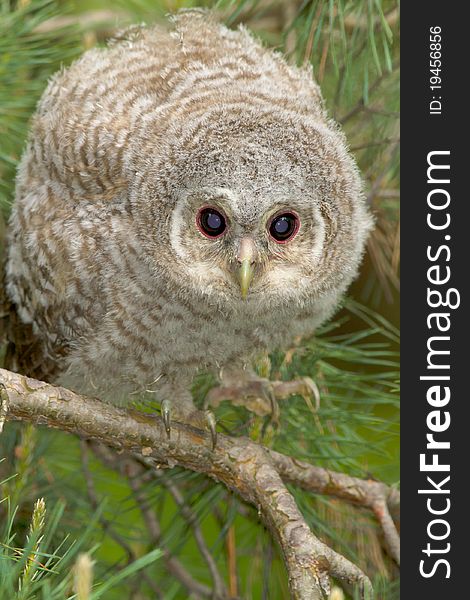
(202, 337)
(153, 335)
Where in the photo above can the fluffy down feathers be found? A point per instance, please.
(111, 285)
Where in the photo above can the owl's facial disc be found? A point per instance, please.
(239, 246)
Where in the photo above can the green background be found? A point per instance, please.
(354, 49)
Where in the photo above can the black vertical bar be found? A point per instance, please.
(435, 121)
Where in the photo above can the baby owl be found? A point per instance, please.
(183, 203)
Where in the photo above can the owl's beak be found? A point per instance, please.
(246, 257)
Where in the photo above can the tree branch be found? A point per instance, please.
(364, 492)
(250, 470)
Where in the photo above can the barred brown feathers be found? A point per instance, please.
(113, 284)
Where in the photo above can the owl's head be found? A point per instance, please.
(216, 157)
(257, 210)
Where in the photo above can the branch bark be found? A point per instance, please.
(369, 493)
(250, 470)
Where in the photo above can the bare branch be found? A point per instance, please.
(392, 539)
(365, 492)
(4, 405)
(232, 561)
(242, 465)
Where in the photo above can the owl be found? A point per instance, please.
(183, 204)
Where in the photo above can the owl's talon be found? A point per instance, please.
(256, 394)
(166, 411)
(188, 415)
(211, 422)
(261, 396)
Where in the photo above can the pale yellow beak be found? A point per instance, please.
(246, 256)
(245, 275)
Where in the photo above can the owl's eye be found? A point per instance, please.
(211, 222)
(283, 227)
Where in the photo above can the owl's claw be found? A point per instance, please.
(194, 417)
(254, 393)
(166, 411)
(211, 422)
(261, 396)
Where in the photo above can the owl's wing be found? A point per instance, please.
(25, 352)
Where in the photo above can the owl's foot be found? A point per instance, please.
(254, 393)
(196, 418)
(260, 395)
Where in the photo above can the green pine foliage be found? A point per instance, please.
(28, 56)
(41, 566)
(90, 508)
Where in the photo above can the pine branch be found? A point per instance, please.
(245, 467)
(380, 498)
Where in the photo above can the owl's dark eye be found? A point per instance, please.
(211, 222)
(284, 227)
